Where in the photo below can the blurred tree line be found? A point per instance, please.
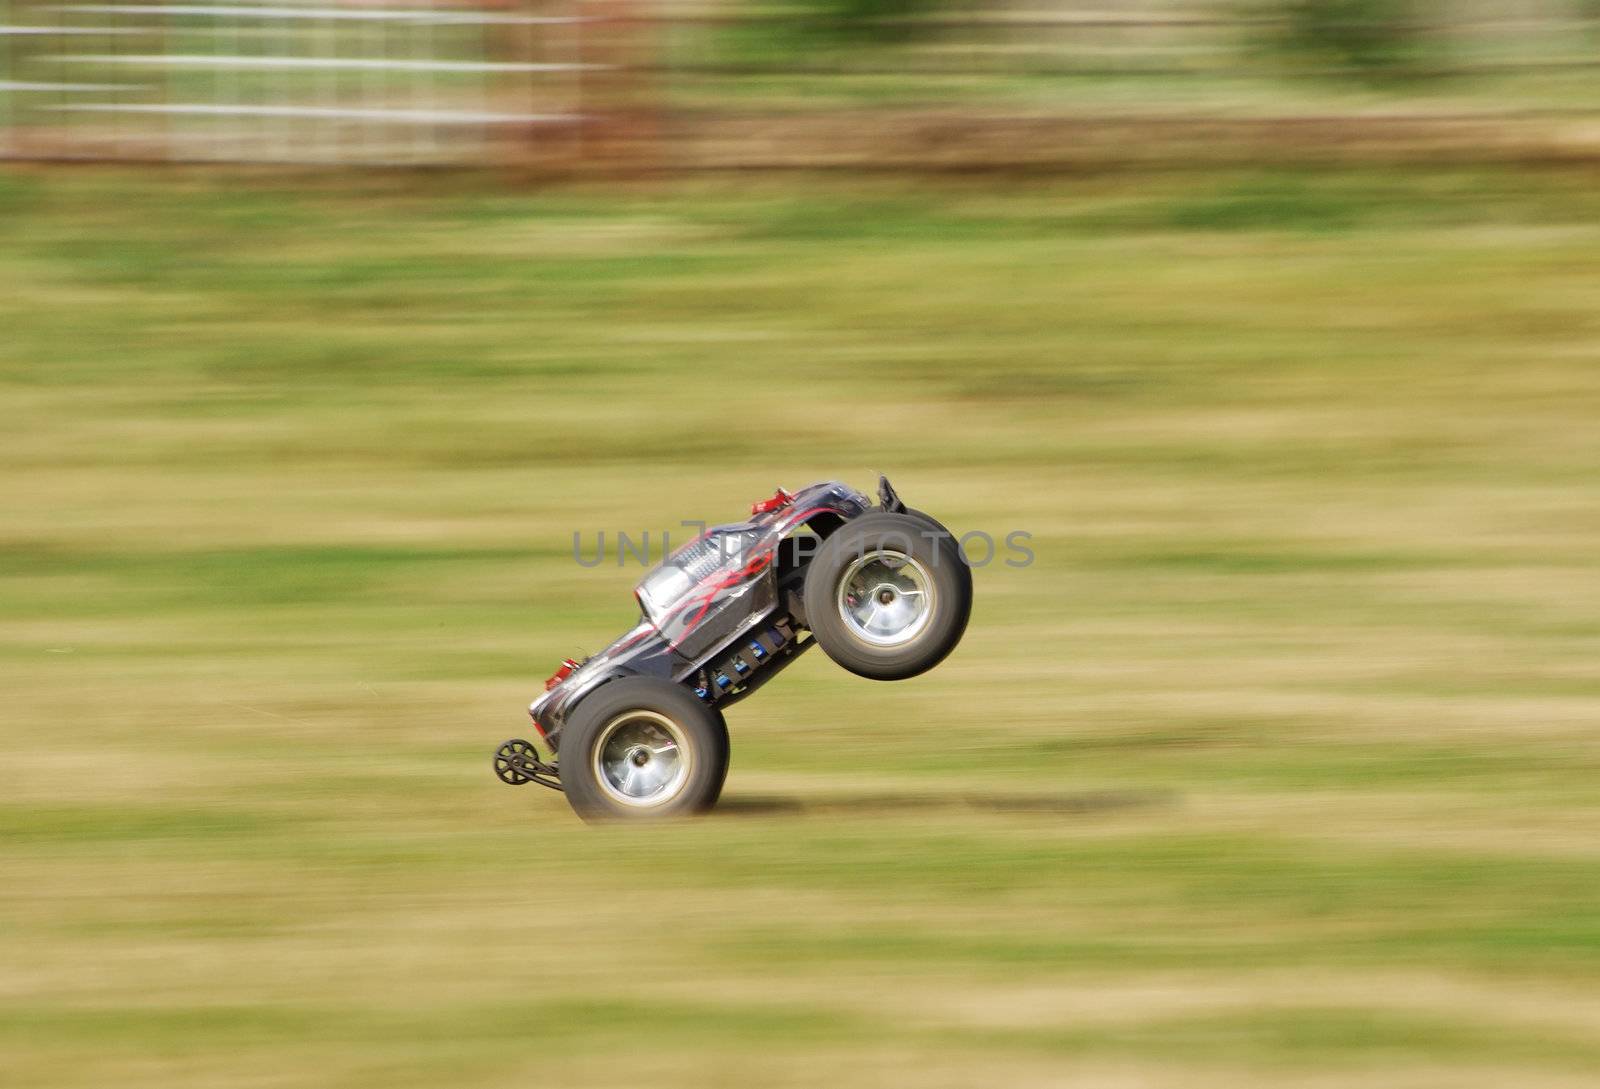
(1368, 40)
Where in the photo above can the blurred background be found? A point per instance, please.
(1276, 324)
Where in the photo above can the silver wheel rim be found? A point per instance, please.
(886, 598)
(642, 759)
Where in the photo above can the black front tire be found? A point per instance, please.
(860, 590)
(641, 748)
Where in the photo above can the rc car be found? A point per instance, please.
(637, 730)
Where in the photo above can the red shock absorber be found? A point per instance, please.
(563, 671)
(777, 501)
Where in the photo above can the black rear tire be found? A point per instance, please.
(887, 599)
(641, 748)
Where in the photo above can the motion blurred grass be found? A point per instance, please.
(1277, 767)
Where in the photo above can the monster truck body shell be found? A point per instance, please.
(721, 615)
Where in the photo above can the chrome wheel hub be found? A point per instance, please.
(886, 598)
(642, 759)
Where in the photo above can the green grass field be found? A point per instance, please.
(1278, 767)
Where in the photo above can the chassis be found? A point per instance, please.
(638, 726)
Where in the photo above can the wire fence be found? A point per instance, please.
(327, 81)
(487, 81)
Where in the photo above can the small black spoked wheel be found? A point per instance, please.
(512, 758)
(640, 748)
(887, 598)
